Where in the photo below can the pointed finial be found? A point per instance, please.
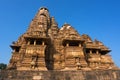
(41, 8)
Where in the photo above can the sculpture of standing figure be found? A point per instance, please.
(78, 63)
(33, 62)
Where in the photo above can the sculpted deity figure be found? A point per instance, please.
(78, 63)
(33, 62)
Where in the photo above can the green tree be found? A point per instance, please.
(3, 66)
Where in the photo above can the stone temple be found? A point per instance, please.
(45, 46)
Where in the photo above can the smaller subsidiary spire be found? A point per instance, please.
(53, 22)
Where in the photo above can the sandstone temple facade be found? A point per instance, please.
(45, 46)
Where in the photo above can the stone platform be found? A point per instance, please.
(60, 75)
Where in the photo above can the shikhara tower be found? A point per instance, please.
(45, 46)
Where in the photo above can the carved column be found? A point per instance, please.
(43, 43)
(80, 45)
(28, 43)
(34, 42)
(97, 52)
(13, 50)
(90, 51)
(67, 44)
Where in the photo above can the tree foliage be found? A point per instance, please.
(3, 66)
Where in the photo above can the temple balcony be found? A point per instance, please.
(38, 49)
(74, 52)
(94, 55)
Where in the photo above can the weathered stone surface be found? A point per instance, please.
(60, 75)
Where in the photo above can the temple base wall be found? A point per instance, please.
(60, 75)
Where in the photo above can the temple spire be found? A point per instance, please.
(41, 21)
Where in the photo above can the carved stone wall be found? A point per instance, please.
(60, 75)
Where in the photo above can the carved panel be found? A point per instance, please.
(40, 50)
(72, 52)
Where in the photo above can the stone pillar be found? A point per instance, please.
(67, 44)
(90, 51)
(34, 42)
(80, 45)
(97, 52)
(43, 43)
(28, 43)
(13, 50)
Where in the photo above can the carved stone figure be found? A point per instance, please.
(33, 62)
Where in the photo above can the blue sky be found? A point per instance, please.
(100, 19)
